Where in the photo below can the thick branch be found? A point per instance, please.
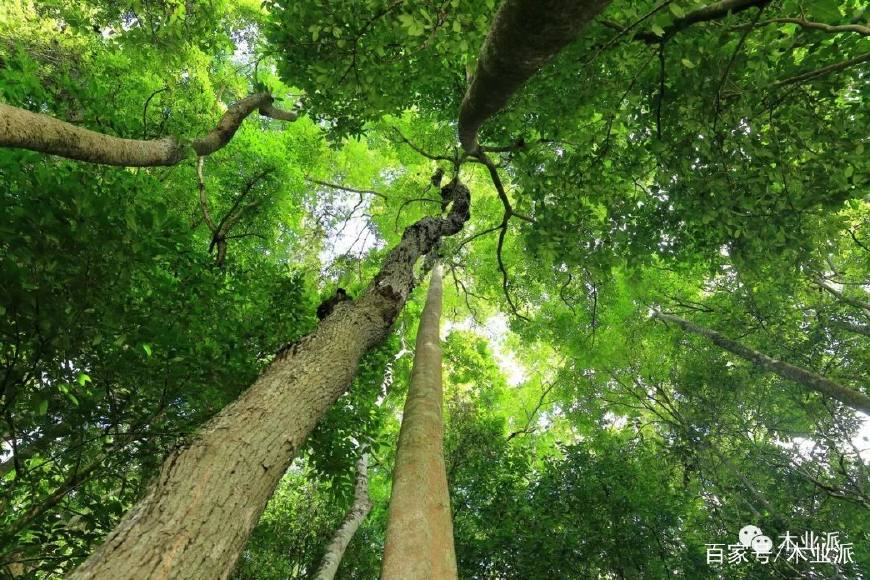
(524, 36)
(24, 129)
(863, 329)
(808, 379)
(713, 11)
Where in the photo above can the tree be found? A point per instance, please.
(701, 158)
(296, 378)
(419, 540)
(175, 528)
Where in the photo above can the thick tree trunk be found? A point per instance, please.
(197, 515)
(524, 36)
(419, 542)
(361, 507)
(27, 130)
(808, 379)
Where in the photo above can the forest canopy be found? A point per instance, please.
(218, 223)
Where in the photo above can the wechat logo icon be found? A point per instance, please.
(752, 537)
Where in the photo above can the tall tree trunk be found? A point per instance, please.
(360, 508)
(852, 398)
(27, 130)
(419, 542)
(524, 36)
(198, 513)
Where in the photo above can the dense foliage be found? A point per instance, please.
(714, 170)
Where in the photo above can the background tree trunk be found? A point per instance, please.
(855, 399)
(197, 515)
(419, 542)
(358, 511)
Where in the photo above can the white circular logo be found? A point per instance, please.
(747, 534)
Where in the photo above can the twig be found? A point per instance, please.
(425, 154)
(145, 110)
(346, 188)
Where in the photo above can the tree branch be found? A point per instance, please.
(707, 13)
(203, 197)
(808, 379)
(24, 129)
(833, 29)
(345, 188)
(814, 74)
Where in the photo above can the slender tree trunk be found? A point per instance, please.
(524, 36)
(198, 513)
(27, 130)
(360, 508)
(850, 397)
(419, 542)
(842, 297)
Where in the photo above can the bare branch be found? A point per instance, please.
(821, 72)
(346, 188)
(833, 29)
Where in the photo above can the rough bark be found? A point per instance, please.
(419, 541)
(27, 130)
(808, 379)
(198, 513)
(524, 36)
(360, 508)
